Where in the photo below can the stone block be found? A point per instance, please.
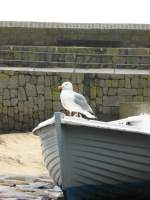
(108, 83)
(102, 76)
(22, 80)
(115, 110)
(55, 95)
(40, 80)
(48, 114)
(139, 91)
(81, 89)
(138, 98)
(35, 108)
(119, 59)
(106, 59)
(112, 91)
(105, 91)
(10, 111)
(144, 60)
(146, 92)
(18, 126)
(13, 93)
(31, 90)
(113, 51)
(99, 108)
(20, 106)
(40, 89)
(4, 77)
(127, 83)
(122, 99)
(133, 60)
(121, 83)
(4, 110)
(127, 92)
(16, 110)
(146, 99)
(6, 94)
(99, 92)
(48, 81)
(117, 76)
(47, 93)
(16, 117)
(123, 51)
(139, 83)
(143, 83)
(5, 120)
(21, 94)
(35, 100)
(148, 81)
(79, 78)
(93, 105)
(1, 91)
(14, 101)
(66, 76)
(35, 115)
(93, 92)
(106, 109)
(1, 108)
(33, 80)
(0, 99)
(135, 83)
(110, 101)
(56, 106)
(101, 83)
(27, 78)
(114, 83)
(25, 107)
(41, 103)
(30, 103)
(99, 101)
(137, 51)
(41, 115)
(129, 98)
(13, 82)
(7, 102)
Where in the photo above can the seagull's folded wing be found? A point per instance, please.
(81, 101)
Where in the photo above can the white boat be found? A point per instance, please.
(92, 160)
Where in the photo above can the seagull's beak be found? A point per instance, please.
(59, 87)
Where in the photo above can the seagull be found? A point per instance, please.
(74, 102)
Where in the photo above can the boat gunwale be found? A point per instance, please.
(75, 121)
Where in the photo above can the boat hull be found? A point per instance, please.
(96, 162)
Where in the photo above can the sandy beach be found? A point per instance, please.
(20, 153)
(22, 171)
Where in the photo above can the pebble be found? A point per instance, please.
(21, 187)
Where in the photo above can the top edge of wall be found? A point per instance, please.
(101, 26)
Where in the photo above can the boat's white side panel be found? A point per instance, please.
(100, 156)
(50, 151)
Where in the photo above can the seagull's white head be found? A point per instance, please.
(66, 86)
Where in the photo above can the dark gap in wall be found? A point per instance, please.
(89, 43)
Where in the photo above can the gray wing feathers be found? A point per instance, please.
(81, 101)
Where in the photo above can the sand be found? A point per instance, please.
(20, 153)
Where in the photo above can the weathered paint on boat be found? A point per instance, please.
(96, 160)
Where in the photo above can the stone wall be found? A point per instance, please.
(29, 97)
(75, 34)
(75, 57)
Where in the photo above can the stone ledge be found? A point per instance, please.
(72, 70)
(74, 25)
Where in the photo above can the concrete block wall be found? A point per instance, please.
(29, 97)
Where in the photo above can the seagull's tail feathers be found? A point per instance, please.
(89, 115)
